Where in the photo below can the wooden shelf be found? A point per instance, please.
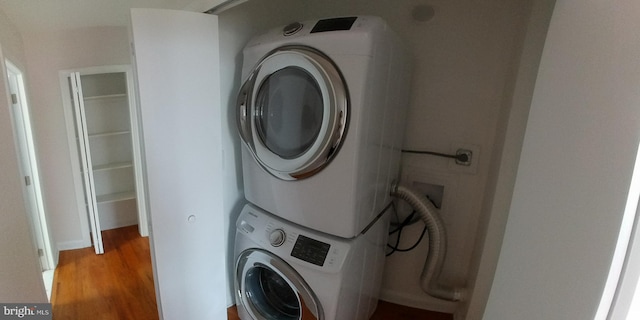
(116, 197)
(110, 166)
(109, 96)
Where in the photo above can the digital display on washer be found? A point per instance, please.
(335, 24)
(310, 250)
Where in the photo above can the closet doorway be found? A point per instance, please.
(102, 127)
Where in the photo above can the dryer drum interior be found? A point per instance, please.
(293, 112)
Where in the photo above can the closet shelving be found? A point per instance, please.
(102, 109)
(106, 108)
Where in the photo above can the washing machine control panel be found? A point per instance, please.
(310, 250)
(295, 244)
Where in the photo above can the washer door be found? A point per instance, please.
(269, 288)
(293, 112)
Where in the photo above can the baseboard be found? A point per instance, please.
(119, 224)
(71, 245)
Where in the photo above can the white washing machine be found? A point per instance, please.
(321, 114)
(288, 272)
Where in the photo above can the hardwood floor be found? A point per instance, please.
(116, 285)
(119, 284)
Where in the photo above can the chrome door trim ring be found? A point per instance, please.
(339, 105)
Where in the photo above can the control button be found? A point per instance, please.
(291, 29)
(277, 237)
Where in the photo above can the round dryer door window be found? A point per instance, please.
(268, 288)
(289, 114)
(293, 112)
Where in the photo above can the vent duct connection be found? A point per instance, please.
(437, 243)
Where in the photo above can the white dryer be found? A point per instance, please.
(288, 272)
(321, 113)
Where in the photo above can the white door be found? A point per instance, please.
(28, 166)
(176, 57)
(85, 161)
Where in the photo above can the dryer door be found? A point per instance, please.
(293, 112)
(269, 288)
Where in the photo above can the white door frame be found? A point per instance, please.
(620, 299)
(29, 166)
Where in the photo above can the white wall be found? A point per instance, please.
(46, 54)
(20, 279)
(581, 139)
(505, 159)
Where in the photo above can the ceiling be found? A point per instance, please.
(31, 16)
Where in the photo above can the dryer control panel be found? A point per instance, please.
(293, 243)
(334, 24)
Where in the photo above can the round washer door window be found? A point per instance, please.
(269, 288)
(270, 294)
(293, 112)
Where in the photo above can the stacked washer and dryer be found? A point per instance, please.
(321, 114)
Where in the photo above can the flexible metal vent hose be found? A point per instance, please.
(437, 243)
